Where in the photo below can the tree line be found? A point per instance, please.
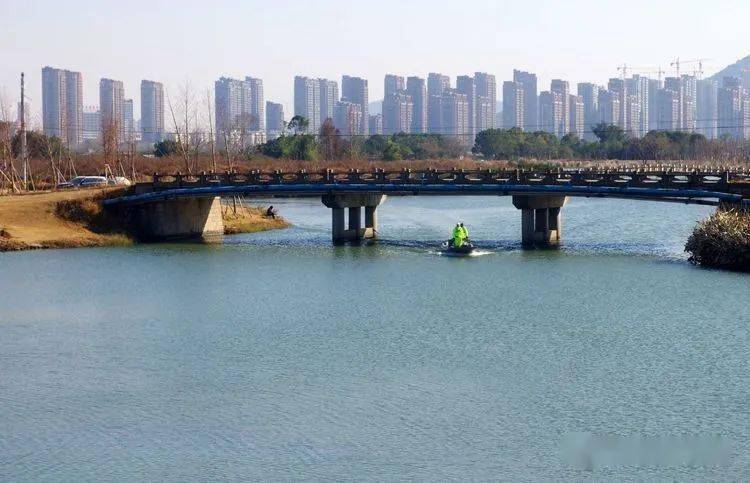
(611, 143)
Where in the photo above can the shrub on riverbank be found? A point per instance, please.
(722, 241)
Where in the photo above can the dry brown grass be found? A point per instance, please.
(722, 241)
(249, 220)
(41, 220)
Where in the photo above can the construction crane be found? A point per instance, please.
(641, 70)
(677, 63)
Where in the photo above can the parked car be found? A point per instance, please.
(83, 182)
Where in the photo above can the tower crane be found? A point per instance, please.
(677, 63)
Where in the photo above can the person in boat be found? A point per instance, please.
(270, 212)
(465, 231)
(458, 236)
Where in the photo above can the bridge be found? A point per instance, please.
(179, 205)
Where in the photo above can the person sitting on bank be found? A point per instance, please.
(270, 212)
(458, 236)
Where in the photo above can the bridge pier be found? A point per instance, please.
(180, 218)
(353, 203)
(541, 219)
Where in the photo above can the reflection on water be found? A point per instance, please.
(277, 356)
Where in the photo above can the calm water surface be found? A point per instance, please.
(276, 356)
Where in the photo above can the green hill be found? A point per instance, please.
(734, 70)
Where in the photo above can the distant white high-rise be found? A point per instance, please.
(348, 118)
(274, 119)
(62, 105)
(707, 107)
(307, 101)
(416, 88)
(329, 96)
(618, 88)
(152, 111)
(355, 90)
(257, 104)
(111, 107)
(486, 89)
(92, 123)
(513, 105)
(552, 112)
(240, 109)
(455, 118)
(589, 93)
(376, 124)
(128, 121)
(609, 107)
(732, 108)
(563, 88)
(577, 115)
(669, 110)
(530, 99)
(437, 84)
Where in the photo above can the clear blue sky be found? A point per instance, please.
(173, 41)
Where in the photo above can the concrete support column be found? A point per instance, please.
(338, 224)
(527, 227)
(555, 224)
(355, 221)
(541, 219)
(371, 221)
(354, 202)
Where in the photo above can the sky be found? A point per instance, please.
(196, 42)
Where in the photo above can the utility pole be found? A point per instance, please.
(24, 157)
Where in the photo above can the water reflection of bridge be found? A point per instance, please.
(189, 205)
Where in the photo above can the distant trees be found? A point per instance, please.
(612, 143)
(165, 148)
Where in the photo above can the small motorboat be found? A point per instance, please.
(465, 249)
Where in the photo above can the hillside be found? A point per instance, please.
(734, 70)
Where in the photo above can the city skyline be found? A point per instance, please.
(238, 39)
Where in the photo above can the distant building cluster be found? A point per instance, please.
(636, 104)
(412, 105)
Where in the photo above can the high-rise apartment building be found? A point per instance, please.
(393, 84)
(707, 107)
(92, 123)
(638, 87)
(669, 109)
(563, 88)
(397, 113)
(329, 96)
(486, 89)
(552, 113)
(111, 107)
(618, 88)
(376, 124)
(589, 93)
(256, 104)
(654, 85)
(232, 102)
(128, 120)
(609, 107)
(437, 84)
(348, 118)
(455, 118)
(416, 88)
(274, 119)
(577, 115)
(513, 105)
(465, 85)
(355, 90)
(689, 106)
(731, 105)
(307, 101)
(152, 111)
(530, 98)
(675, 85)
(62, 105)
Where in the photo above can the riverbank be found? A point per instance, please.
(75, 219)
(722, 241)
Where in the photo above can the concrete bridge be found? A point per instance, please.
(179, 206)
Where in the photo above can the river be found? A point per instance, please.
(276, 356)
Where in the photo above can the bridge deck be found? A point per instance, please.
(704, 187)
